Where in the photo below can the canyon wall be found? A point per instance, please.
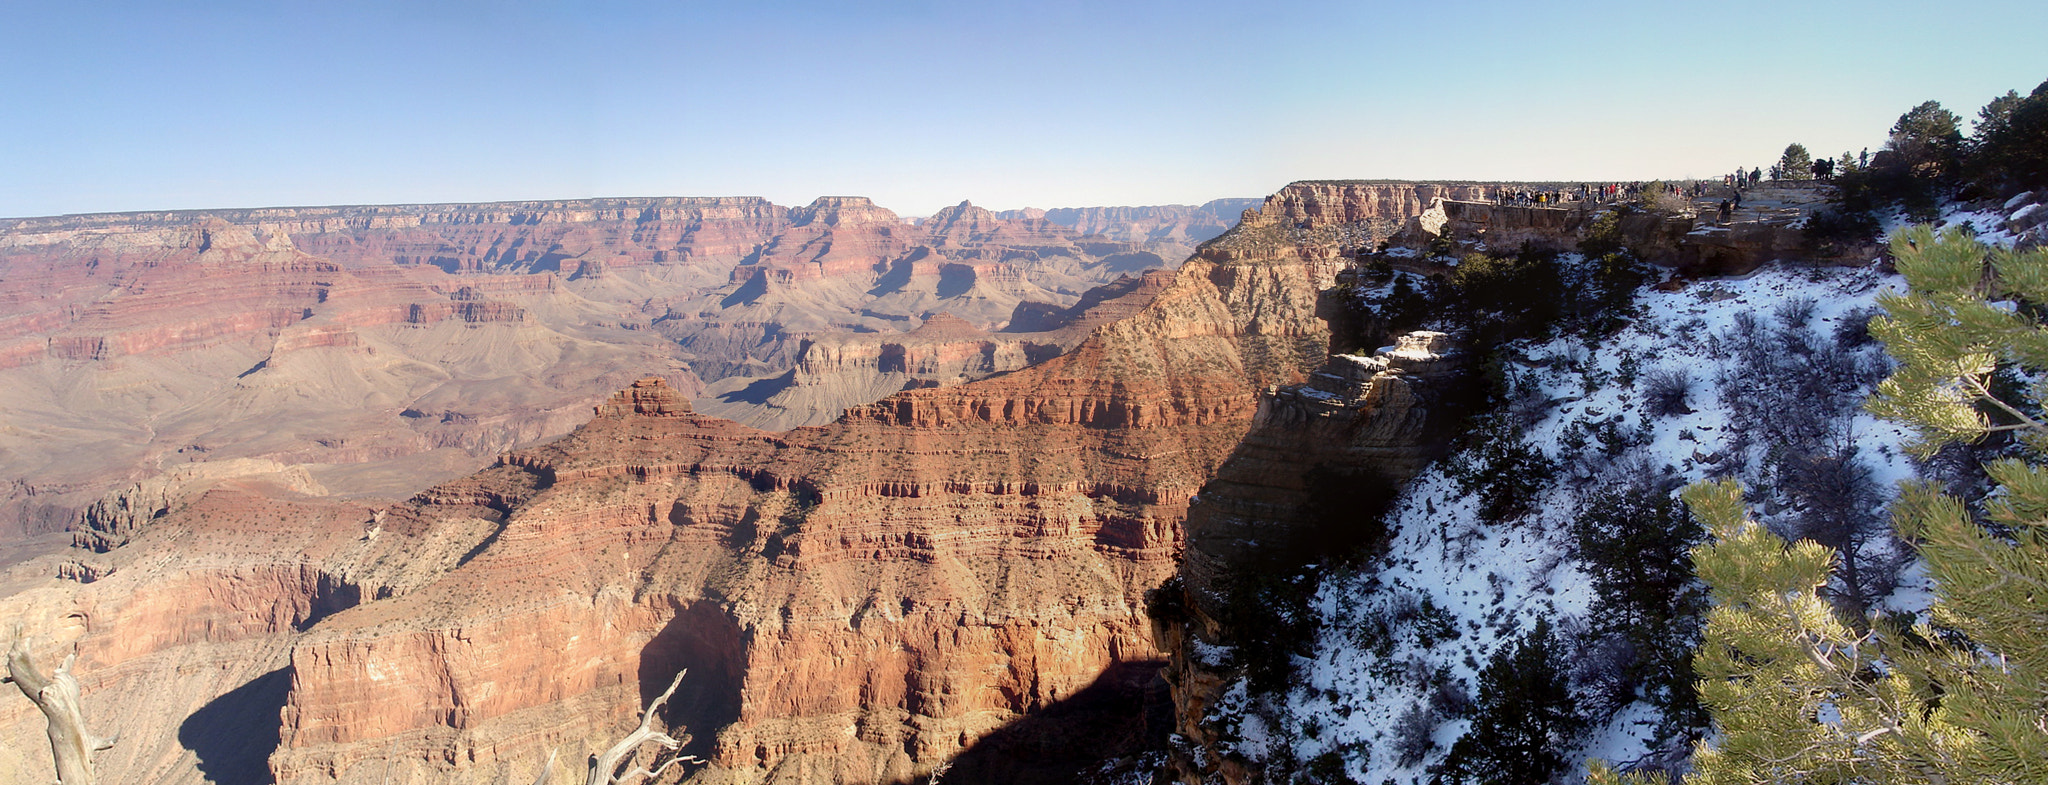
(131, 352)
(857, 602)
(865, 599)
(1306, 484)
(389, 347)
(1175, 223)
(837, 371)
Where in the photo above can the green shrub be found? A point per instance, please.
(1524, 721)
(1635, 544)
(1503, 471)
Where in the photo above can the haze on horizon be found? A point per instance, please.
(132, 106)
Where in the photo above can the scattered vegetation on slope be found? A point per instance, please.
(1803, 689)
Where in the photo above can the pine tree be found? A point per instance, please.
(1949, 337)
(1780, 674)
(1798, 695)
(1796, 163)
(2009, 149)
(1524, 721)
(1634, 547)
(1927, 140)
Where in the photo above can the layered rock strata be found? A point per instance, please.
(835, 372)
(865, 599)
(130, 352)
(1692, 239)
(857, 602)
(392, 339)
(1174, 223)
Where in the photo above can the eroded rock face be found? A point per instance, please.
(1190, 224)
(649, 397)
(880, 592)
(1332, 202)
(111, 521)
(184, 633)
(2027, 219)
(835, 372)
(1692, 239)
(403, 345)
(136, 348)
(856, 602)
(1306, 479)
(893, 586)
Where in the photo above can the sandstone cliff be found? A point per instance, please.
(838, 371)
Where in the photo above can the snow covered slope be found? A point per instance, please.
(1711, 380)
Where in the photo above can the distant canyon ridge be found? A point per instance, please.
(383, 348)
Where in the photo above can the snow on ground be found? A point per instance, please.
(1990, 225)
(1465, 587)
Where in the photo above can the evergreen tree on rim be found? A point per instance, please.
(1927, 140)
(1796, 163)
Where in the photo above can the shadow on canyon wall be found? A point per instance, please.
(705, 640)
(759, 391)
(234, 734)
(1127, 711)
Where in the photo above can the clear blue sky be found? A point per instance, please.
(110, 106)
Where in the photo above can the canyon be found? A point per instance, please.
(388, 347)
(894, 593)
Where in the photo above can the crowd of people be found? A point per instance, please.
(1599, 193)
(1732, 186)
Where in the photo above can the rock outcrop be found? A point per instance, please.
(1692, 239)
(649, 397)
(1318, 462)
(835, 372)
(2027, 219)
(111, 521)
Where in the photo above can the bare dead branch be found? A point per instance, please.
(604, 768)
(650, 775)
(547, 770)
(71, 745)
